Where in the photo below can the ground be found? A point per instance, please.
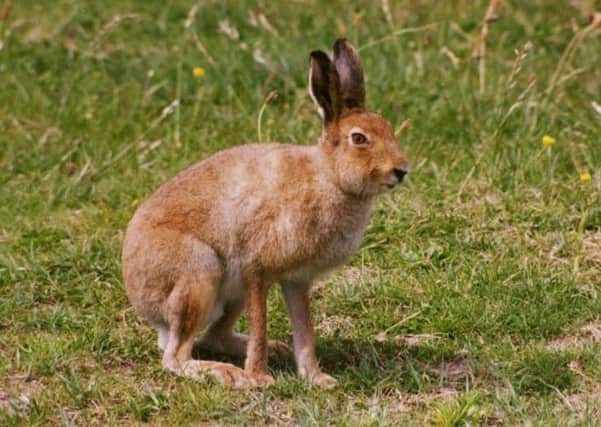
(475, 297)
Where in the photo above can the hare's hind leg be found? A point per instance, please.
(221, 338)
(187, 308)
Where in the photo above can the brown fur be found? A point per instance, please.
(214, 238)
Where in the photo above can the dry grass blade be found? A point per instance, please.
(445, 51)
(188, 24)
(403, 126)
(270, 98)
(387, 13)
(192, 15)
(398, 33)
(110, 26)
(521, 55)
(585, 7)
(382, 336)
(259, 20)
(595, 24)
(228, 29)
(201, 48)
(492, 14)
(165, 112)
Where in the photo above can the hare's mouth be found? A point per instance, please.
(388, 187)
(398, 177)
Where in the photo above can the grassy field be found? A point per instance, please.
(475, 298)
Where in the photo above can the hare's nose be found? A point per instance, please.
(400, 174)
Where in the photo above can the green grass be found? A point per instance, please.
(467, 275)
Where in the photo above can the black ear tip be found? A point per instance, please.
(319, 55)
(340, 43)
(343, 45)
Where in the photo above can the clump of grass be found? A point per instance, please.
(457, 412)
(544, 372)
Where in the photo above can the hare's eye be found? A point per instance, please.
(358, 138)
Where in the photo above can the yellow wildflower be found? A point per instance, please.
(585, 177)
(198, 72)
(548, 141)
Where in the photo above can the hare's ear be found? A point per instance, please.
(323, 85)
(350, 73)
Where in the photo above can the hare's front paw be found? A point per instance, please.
(323, 380)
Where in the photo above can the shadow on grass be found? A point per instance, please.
(363, 365)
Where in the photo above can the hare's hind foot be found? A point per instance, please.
(225, 373)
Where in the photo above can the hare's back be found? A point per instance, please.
(245, 172)
(219, 195)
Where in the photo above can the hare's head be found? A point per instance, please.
(360, 146)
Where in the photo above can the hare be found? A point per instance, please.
(213, 239)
